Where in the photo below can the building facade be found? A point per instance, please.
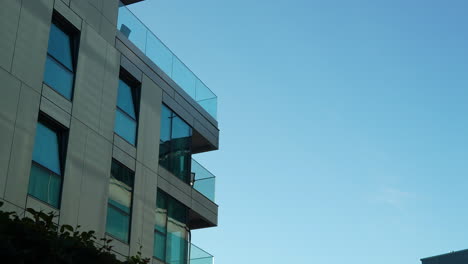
(457, 257)
(99, 122)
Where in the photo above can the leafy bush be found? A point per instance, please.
(38, 240)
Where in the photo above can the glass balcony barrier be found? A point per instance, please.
(203, 181)
(199, 256)
(162, 56)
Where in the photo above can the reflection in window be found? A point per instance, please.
(45, 180)
(175, 144)
(126, 114)
(171, 234)
(120, 202)
(59, 68)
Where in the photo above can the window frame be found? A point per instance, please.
(74, 35)
(168, 199)
(172, 147)
(135, 90)
(62, 139)
(119, 209)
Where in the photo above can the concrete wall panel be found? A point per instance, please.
(131, 68)
(123, 158)
(97, 4)
(68, 14)
(173, 191)
(107, 30)
(22, 147)
(144, 204)
(118, 247)
(9, 207)
(89, 13)
(110, 10)
(37, 205)
(95, 184)
(205, 202)
(203, 211)
(9, 17)
(89, 78)
(109, 93)
(34, 25)
(8, 109)
(74, 169)
(55, 97)
(149, 124)
(57, 113)
(125, 146)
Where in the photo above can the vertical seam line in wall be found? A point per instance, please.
(13, 138)
(82, 172)
(102, 89)
(16, 35)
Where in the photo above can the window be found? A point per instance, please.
(171, 234)
(127, 111)
(175, 144)
(45, 181)
(119, 204)
(61, 60)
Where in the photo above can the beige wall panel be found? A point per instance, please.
(31, 42)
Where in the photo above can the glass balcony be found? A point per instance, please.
(203, 181)
(162, 56)
(199, 256)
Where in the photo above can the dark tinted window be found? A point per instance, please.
(46, 170)
(171, 234)
(175, 144)
(125, 99)
(126, 114)
(120, 202)
(60, 46)
(59, 68)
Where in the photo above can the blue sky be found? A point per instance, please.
(344, 132)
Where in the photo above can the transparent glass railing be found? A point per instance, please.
(162, 56)
(199, 256)
(203, 181)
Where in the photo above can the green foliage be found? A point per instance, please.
(37, 239)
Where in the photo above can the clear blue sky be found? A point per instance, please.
(344, 125)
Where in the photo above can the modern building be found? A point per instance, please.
(457, 257)
(99, 121)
